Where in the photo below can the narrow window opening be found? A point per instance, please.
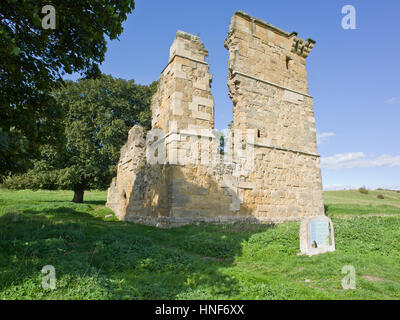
(222, 145)
(288, 62)
(258, 133)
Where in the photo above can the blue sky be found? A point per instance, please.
(353, 74)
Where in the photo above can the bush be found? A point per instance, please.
(363, 190)
(380, 196)
(33, 180)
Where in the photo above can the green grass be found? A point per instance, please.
(352, 202)
(101, 258)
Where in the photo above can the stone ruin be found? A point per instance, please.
(264, 168)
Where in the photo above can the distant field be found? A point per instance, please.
(101, 258)
(353, 202)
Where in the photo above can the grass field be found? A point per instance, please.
(352, 202)
(101, 258)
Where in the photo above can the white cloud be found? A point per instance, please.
(358, 160)
(391, 187)
(391, 100)
(334, 187)
(322, 137)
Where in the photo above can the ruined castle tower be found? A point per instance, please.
(268, 85)
(270, 170)
(184, 93)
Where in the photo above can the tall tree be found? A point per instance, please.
(96, 117)
(33, 60)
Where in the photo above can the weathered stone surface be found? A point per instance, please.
(183, 99)
(268, 85)
(270, 171)
(132, 158)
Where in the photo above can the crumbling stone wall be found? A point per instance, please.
(269, 171)
(139, 189)
(268, 85)
(184, 96)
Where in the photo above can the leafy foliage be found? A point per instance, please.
(33, 60)
(363, 190)
(97, 115)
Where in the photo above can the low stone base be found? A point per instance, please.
(171, 222)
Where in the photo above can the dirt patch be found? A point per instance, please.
(372, 278)
(213, 259)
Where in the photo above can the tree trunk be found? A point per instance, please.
(78, 194)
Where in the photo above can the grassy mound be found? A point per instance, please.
(97, 257)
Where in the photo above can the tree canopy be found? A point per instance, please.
(96, 117)
(33, 61)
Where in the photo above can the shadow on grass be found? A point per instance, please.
(57, 210)
(95, 202)
(101, 259)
